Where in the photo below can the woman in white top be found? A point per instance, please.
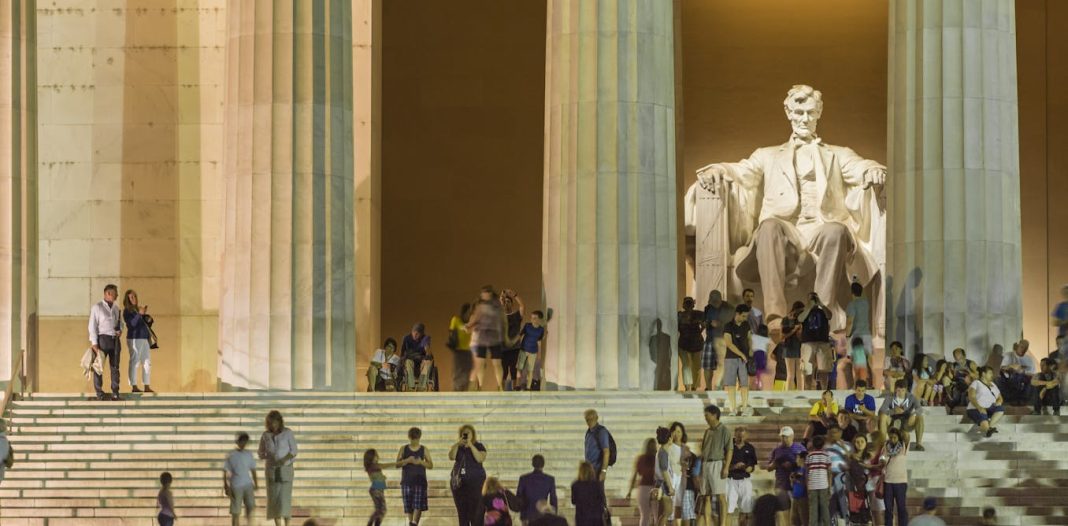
(984, 400)
(278, 448)
(675, 454)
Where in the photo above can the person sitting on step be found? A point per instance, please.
(1017, 368)
(1046, 389)
(902, 409)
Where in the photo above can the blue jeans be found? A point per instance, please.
(894, 495)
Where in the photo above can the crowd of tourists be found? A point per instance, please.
(850, 467)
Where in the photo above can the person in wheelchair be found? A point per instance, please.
(953, 378)
(415, 350)
(382, 373)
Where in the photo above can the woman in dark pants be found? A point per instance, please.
(468, 455)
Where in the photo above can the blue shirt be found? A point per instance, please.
(413, 349)
(596, 443)
(535, 486)
(531, 336)
(1061, 314)
(851, 403)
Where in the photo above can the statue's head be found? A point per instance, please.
(803, 106)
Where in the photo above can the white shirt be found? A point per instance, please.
(1026, 363)
(103, 320)
(274, 447)
(986, 396)
(240, 464)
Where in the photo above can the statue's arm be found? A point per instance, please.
(747, 173)
(858, 171)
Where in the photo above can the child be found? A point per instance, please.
(799, 495)
(859, 355)
(383, 366)
(239, 480)
(817, 471)
(778, 352)
(760, 355)
(378, 486)
(533, 336)
(414, 460)
(165, 501)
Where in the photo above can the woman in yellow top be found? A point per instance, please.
(824, 413)
(460, 344)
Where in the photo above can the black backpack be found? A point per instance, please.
(817, 327)
(612, 452)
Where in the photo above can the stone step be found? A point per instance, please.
(69, 446)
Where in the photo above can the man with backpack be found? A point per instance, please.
(600, 447)
(817, 354)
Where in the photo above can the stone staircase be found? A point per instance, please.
(81, 462)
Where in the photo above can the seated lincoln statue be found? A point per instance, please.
(793, 218)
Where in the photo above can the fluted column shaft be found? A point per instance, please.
(288, 307)
(18, 182)
(609, 255)
(954, 207)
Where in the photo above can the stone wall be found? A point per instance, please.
(130, 132)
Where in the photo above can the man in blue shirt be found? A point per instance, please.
(415, 349)
(597, 445)
(860, 407)
(534, 487)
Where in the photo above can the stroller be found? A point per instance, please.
(856, 484)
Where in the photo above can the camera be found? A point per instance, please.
(465, 435)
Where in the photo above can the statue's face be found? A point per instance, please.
(803, 118)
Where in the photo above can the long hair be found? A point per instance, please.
(586, 471)
(685, 437)
(369, 459)
(492, 486)
(126, 299)
(276, 416)
(465, 312)
(650, 447)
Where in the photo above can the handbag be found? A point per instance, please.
(750, 367)
(454, 340)
(456, 477)
(153, 341)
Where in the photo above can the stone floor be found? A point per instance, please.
(81, 462)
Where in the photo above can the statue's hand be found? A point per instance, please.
(875, 177)
(713, 177)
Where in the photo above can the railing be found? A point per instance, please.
(18, 378)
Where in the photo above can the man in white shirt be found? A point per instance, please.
(105, 329)
(1017, 369)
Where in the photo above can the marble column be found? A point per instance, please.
(954, 183)
(18, 183)
(609, 235)
(288, 308)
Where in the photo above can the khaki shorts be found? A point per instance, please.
(243, 496)
(527, 361)
(822, 352)
(711, 483)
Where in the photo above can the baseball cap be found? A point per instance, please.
(786, 431)
(930, 503)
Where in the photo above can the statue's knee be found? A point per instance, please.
(834, 231)
(771, 230)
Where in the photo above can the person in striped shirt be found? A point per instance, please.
(818, 479)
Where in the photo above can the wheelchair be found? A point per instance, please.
(432, 384)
